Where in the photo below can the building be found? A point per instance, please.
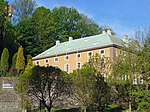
(71, 55)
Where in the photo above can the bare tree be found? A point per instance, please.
(24, 8)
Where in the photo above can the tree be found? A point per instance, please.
(131, 70)
(47, 84)
(4, 60)
(69, 22)
(25, 34)
(44, 26)
(23, 85)
(20, 62)
(24, 8)
(89, 86)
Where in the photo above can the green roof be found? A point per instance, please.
(77, 45)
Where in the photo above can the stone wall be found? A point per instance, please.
(9, 100)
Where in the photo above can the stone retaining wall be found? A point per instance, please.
(9, 100)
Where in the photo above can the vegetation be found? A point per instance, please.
(20, 61)
(100, 85)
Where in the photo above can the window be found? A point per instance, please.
(102, 63)
(37, 62)
(102, 51)
(78, 65)
(104, 76)
(66, 67)
(56, 66)
(90, 53)
(56, 59)
(46, 61)
(135, 81)
(78, 55)
(140, 80)
(124, 77)
(66, 57)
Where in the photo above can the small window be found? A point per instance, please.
(78, 55)
(46, 61)
(66, 68)
(56, 59)
(89, 54)
(56, 66)
(78, 65)
(124, 77)
(135, 81)
(66, 57)
(140, 80)
(102, 51)
(37, 62)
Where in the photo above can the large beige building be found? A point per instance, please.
(71, 55)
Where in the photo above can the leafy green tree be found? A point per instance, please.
(44, 26)
(20, 62)
(89, 84)
(14, 60)
(25, 33)
(69, 22)
(47, 84)
(24, 8)
(4, 60)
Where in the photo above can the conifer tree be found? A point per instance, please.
(4, 60)
(14, 60)
(20, 62)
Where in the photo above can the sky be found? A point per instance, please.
(122, 16)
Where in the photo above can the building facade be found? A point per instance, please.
(71, 55)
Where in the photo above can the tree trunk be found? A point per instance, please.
(129, 106)
(84, 108)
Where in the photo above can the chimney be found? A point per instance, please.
(70, 38)
(109, 31)
(103, 32)
(57, 42)
(125, 37)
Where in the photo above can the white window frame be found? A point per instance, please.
(65, 69)
(88, 53)
(56, 66)
(102, 50)
(77, 55)
(46, 60)
(77, 65)
(65, 57)
(38, 61)
(55, 60)
(141, 80)
(135, 81)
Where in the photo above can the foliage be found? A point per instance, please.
(20, 62)
(143, 100)
(14, 60)
(4, 60)
(24, 8)
(47, 84)
(69, 22)
(89, 86)
(38, 33)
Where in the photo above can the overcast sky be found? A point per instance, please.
(123, 16)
